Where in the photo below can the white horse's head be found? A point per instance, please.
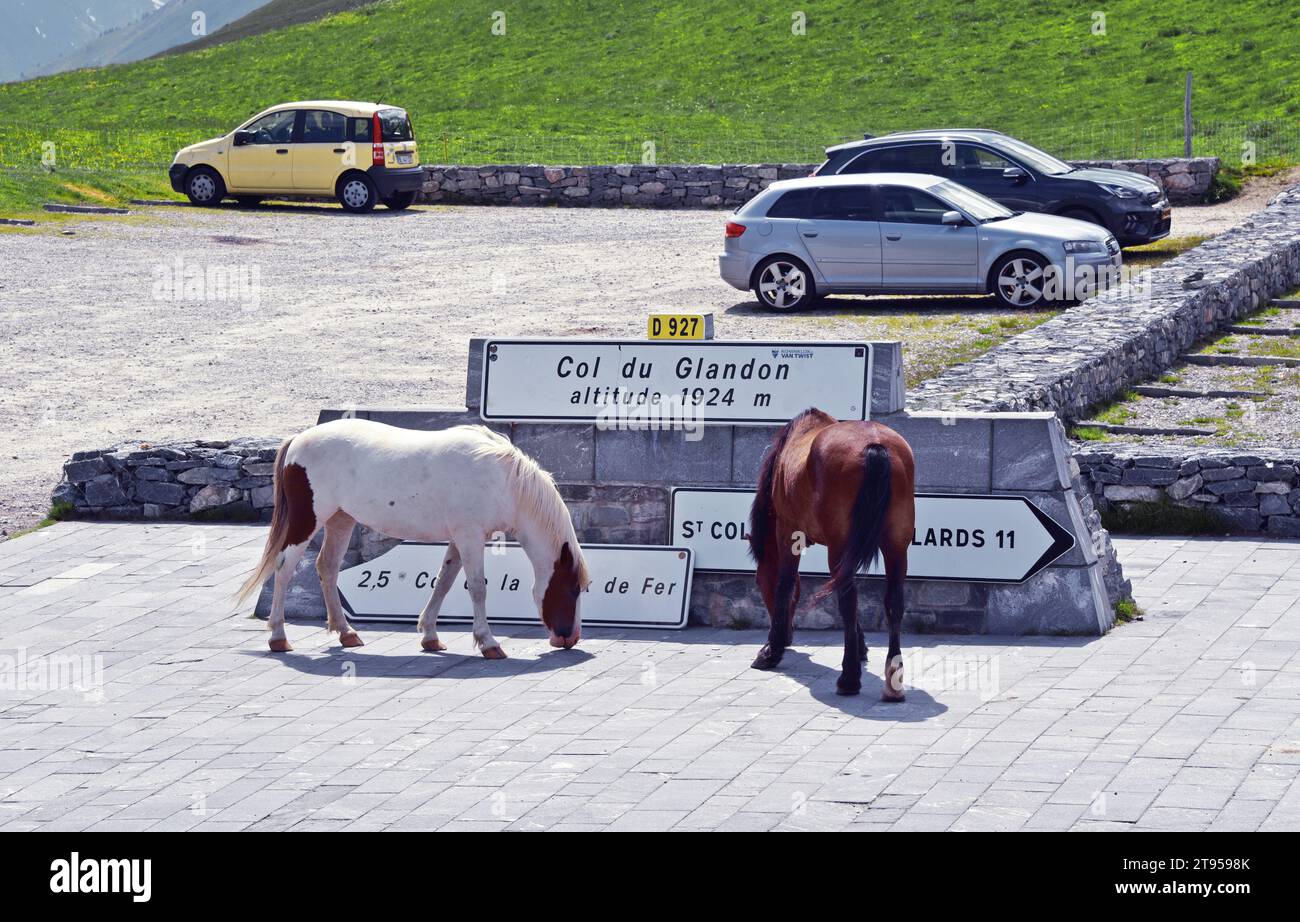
(559, 599)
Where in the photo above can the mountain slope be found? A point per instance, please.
(277, 14)
(166, 27)
(33, 33)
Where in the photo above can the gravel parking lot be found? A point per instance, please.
(105, 337)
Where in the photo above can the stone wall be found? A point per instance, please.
(1186, 181)
(1246, 492)
(227, 481)
(702, 185)
(1097, 349)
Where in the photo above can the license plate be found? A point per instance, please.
(675, 326)
(403, 158)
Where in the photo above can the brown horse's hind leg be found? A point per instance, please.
(846, 597)
(895, 576)
(338, 532)
(778, 576)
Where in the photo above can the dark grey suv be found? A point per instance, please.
(1016, 174)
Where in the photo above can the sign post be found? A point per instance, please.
(631, 586)
(749, 383)
(973, 538)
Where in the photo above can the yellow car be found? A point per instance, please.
(361, 153)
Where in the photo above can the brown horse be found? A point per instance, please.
(851, 487)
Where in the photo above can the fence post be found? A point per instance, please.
(1187, 116)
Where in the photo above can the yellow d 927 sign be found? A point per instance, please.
(676, 326)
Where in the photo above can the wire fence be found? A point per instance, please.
(24, 148)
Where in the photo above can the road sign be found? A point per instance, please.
(610, 382)
(679, 326)
(632, 586)
(974, 538)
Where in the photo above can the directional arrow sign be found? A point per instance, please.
(632, 586)
(974, 538)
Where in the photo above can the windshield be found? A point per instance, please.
(1040, 160)
(977, 206)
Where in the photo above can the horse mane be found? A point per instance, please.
(760, 514)
(535, 494)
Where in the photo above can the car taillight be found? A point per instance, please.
(377, 143)
(734, 229)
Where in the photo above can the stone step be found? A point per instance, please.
(1263, 331)
(17, 222)
(1290, 304)
(1151, 390)
(1142, 430)
(83, 209)
(1251, 360)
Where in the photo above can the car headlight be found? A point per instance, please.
(1084, 246)
(1120, 191)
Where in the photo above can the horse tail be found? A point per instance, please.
(760, 514)
(868, 521)
(277, 537)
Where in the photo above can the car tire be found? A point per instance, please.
(248, 201)
(203, 186)
(783, 283)
(399, 201)
(1018, 280)
(357, 193)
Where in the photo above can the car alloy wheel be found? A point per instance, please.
(783, 285)
(356, 193)
(202, 188)
(1021, 281)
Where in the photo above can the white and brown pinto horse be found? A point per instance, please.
(461, 485)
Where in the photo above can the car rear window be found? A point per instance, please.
(396, 125)
(793, 204)
(834, 161)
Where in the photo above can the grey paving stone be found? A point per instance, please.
(1152, 726)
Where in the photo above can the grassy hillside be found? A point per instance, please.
(277, 14)
(578, 80)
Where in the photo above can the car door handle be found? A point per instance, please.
(339, 150)
(893, 236)
(283, 150)
(810, 233)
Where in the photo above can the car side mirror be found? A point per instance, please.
(1014, 174)
(243, 137)
(954, 218)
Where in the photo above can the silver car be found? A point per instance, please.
(907, 233)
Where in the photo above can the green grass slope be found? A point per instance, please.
(583, 81)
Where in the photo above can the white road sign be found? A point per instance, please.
(570, 380)
(632, 586)
(996, 539)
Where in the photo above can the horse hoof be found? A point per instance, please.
(766, 659)
(432, 646)
(351, 639)
(893, 690)
(280, 646)
(494, 653)
(842, 688)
